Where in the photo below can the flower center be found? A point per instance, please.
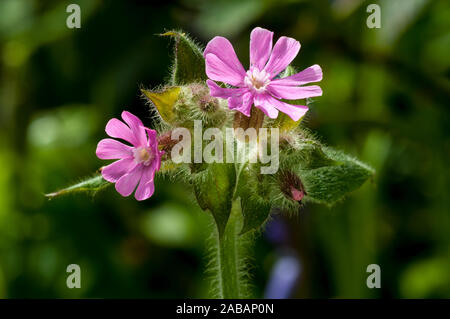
(143, 155)
(256, 79)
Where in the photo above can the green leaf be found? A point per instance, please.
(338, 175)
(214, 190)
(90, 185)
(313, 155)
(164, 102)
(189, 64)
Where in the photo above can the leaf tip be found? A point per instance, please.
(172, 33)
(51, 195)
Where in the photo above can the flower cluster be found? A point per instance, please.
(238, 174)
(260, 86)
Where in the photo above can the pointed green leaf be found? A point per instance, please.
(339, 175)
(90, 185)
(189, 64)
(312, 155)
(214, 190)
(164, 102)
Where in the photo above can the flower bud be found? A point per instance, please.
(291, 186)
(166, 142)
(195, 103)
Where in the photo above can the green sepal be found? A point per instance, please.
(164, 102)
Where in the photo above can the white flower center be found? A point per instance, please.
(143, 155)
(256, 79)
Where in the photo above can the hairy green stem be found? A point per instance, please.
(231, 250)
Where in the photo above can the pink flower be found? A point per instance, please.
(259, 85)
(137, 163)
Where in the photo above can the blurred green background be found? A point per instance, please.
(386, 94)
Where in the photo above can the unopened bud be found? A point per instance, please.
(291, 185)
(166, 142)
(195, 103)
(206, 102)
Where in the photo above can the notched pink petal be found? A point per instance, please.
(242, 103)
(116, 170)
(137, 128)
(224, 93)
(128, 182)
(240, 99)
(295, 112)
(112, 149)
(262, 102)
(132, 120)
(223, 71)
(145, 191)
(118, 129)
(283, 53)
(152, 141)
(156, 164)
(152, 136)
(294, 92)
(260, 47)
(222, 48)
(146, 186)
(308, 75)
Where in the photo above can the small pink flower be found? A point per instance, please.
(137, 163)
(259, 85)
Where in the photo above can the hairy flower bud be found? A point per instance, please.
(166, 142)
(291, 185)
(195, 103)
(206, 102)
